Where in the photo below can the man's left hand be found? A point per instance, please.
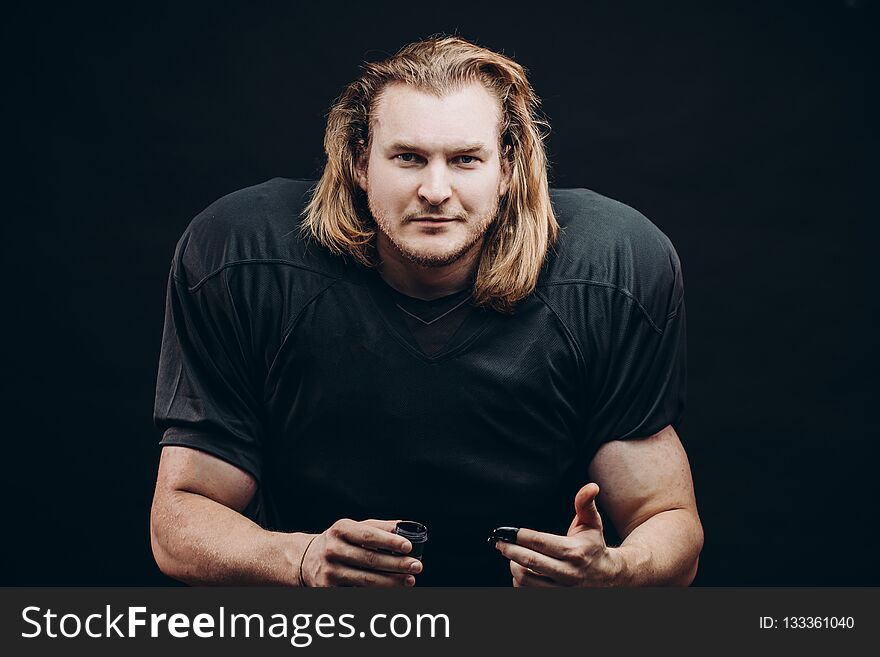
(580, 558)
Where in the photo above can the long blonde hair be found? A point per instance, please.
(516, 244)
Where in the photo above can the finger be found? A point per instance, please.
(365, 559)
(550, 544)
(387, 525)
(347, 576)
(391, 526)
(373, 534)
(525, 577)
(585, 506)
(538, 563)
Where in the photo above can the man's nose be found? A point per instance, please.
(435, 187)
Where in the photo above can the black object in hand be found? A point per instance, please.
(416, 533)
(506, 534)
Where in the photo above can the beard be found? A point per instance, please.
(477, 225)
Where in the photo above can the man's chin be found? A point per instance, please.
(435, 258)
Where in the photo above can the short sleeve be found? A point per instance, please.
(641, 383)
(206, 396)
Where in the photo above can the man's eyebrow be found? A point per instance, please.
(468, 147)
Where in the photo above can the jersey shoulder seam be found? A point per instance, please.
(291, 324)
(253, 261)
(621, 290)
(571, 336)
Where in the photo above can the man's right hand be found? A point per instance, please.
(347, 554)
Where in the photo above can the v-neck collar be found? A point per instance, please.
(430, 312)
(385, 300)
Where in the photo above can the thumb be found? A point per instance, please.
(586, 514)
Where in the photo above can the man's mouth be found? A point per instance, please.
(433, 220)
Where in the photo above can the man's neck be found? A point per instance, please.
(422, 281)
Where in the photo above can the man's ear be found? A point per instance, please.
(360, 166)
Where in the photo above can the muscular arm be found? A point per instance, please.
(198, 533)
(648, 494)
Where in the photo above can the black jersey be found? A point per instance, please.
(299, 367)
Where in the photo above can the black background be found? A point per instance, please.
(745, 131)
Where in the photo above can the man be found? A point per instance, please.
(425, 344)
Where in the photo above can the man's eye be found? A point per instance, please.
(407, 157)
(467, 159)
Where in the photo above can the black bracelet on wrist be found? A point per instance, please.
(302, 582)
